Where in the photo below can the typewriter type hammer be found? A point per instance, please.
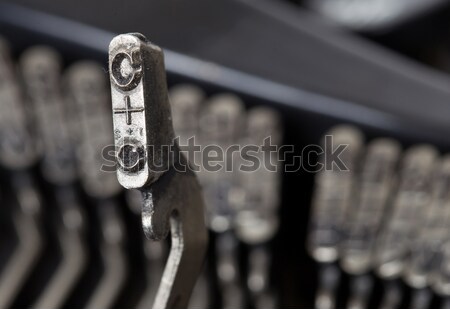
(149, 159)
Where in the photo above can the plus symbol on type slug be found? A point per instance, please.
(128, 110)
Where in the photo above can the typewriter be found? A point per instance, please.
(310, 167)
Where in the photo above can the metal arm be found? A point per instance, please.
(87, 86)
(376, 183)
(41, 70)
(26, 222)
(18, 152)
(257, 220)
(331, 200)
(143, 136)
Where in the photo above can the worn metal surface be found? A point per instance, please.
(143, 133)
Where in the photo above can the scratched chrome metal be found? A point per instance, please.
(172, 196)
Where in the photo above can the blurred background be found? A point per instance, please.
(291, 69)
